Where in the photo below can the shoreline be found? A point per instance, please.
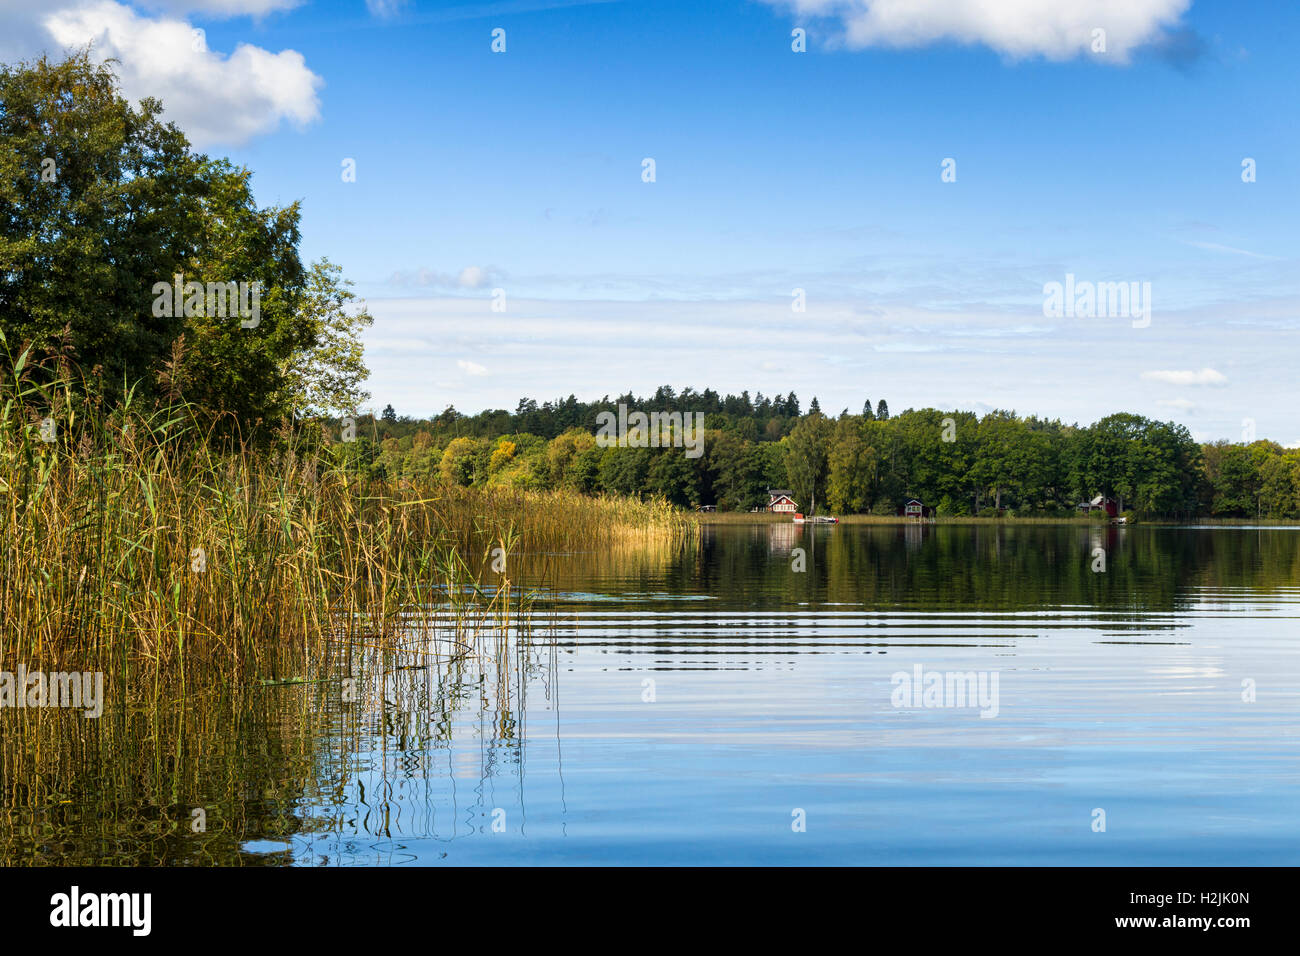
(1245, 523)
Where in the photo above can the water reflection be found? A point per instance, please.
(710, 689)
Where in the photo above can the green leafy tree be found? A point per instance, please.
(672, 476)
(736, 467)
(326, 377)
(806, 461)
(100, 201)
(460, 463)
(852, 467)
(105, 205)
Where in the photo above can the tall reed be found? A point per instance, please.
(144, 535)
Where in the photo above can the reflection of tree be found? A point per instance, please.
(990, 567)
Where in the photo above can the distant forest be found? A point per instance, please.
(855, 462)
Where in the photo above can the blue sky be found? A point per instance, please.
(775, 170)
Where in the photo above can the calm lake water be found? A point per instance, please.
(712, 704)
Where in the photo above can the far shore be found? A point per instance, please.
(737, 517)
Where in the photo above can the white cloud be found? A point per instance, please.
(470, 368)
(1219, 247)
(471, 277)
(223, 8)
(841, 350)
(1055, 29)
(1206, 376)
(1182, 404)
(385, 8)
(216, 99)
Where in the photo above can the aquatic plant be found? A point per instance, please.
(153, 535)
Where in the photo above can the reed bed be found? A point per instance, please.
(143, 536)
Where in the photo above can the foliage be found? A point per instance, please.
(954, 461)
(104, 205)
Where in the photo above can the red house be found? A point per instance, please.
(1100, 503)
(781, 501)
(914, 509)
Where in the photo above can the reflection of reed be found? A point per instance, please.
(356, 746)
(358, 736)
(632, 558)
(123, 789)
(430, 710)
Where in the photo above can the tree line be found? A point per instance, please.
(869, 462)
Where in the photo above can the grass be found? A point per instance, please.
(140, 537)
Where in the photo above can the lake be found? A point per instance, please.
(767, 694)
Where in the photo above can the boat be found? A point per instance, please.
(816, 519)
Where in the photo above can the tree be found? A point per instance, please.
(327, 377)
(100, 201)
(882, 411)
(502, 455)
(672, 476)
(852, 468)
(103, 206)
(389, 414)
(867, 413)
(458, 461)
(1106, 464)
(995, 468)
(623, 470)
(562, 452)
(227, 363)
(806, 458)
(736, 467)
